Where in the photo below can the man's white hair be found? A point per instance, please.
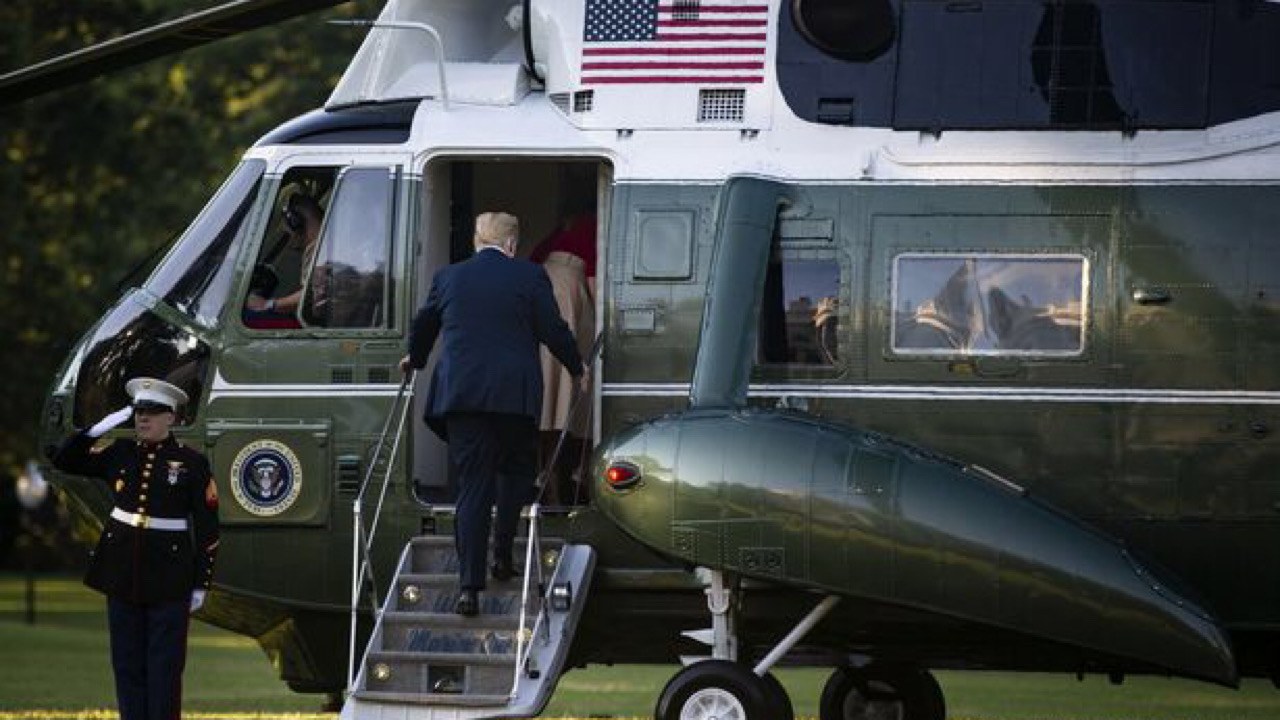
(496, 228)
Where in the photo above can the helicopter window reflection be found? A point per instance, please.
(799, 316)
(348, 285)
(951, 304)
(195, 277)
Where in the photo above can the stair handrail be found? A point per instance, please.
(532, 564)
(533, 548)
(362, 541)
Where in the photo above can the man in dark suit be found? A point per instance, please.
(486, 391)
(154, 560)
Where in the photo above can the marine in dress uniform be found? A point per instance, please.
(154, 560)
(493, 311)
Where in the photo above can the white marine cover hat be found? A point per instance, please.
(147, 391)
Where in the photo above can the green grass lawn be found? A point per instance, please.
(59, 668)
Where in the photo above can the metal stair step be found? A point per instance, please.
(484, 620)
(448, 633)
(456, 674)
(436, 553)
(431, 698)
(507, 659)
(437, 593)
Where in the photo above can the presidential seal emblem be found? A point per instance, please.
(266, 477)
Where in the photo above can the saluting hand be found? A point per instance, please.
(110, 422)
(197, 599)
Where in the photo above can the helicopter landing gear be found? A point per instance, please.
(882, 692)
(721, 690)
(720, 687)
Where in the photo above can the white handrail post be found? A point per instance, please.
(356, 577)
(531, 555)
(362, 543)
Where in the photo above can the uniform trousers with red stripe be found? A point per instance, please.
(148, 653)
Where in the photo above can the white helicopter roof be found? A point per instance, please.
(698, 110)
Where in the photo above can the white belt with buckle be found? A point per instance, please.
(147, 522)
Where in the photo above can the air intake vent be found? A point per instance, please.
(582, 101)
(343, 375)
(348, 475)
(561, 101)
(721, 105)
(835, 111)
(685, 9)
(379, 375)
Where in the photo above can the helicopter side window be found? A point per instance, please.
(195, 277)
(950, 304)
(289, 249)
(800, 312)
(348, 286)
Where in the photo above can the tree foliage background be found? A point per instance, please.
(95, 177)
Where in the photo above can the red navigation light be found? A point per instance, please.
(622, 476)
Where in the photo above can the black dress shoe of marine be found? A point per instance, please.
(468, 603)
(502, 570)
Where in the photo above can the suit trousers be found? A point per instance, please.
(148, 653)
(495, 456)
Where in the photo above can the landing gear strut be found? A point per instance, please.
(882, 692)
(723, 689)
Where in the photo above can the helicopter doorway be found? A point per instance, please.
(557, 202)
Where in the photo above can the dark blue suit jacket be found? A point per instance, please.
(493, 312)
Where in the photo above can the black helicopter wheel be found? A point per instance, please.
(782, 708)
(716, 690)
(882, 692)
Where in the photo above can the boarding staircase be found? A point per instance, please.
(423, 661)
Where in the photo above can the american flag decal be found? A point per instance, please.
(629, 42)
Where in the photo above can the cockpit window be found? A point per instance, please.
(348, 287)
(324, 263)
(287, 255)
(195, 276)
(989, 304)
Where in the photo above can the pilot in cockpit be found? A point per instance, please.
(301, 218)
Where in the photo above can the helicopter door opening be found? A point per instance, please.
(557, 202)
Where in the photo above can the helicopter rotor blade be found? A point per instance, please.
(166, 38)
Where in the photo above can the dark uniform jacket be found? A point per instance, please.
(155, 480)
(493, 311)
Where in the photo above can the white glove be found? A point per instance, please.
(197, 599)
(110, 422)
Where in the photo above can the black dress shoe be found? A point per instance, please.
(468, 603)
(502, 571)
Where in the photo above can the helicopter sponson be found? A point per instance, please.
(787, 498)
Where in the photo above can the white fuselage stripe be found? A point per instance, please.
(969, 393)
(223, 389)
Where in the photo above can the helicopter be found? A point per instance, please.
(936, 335)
